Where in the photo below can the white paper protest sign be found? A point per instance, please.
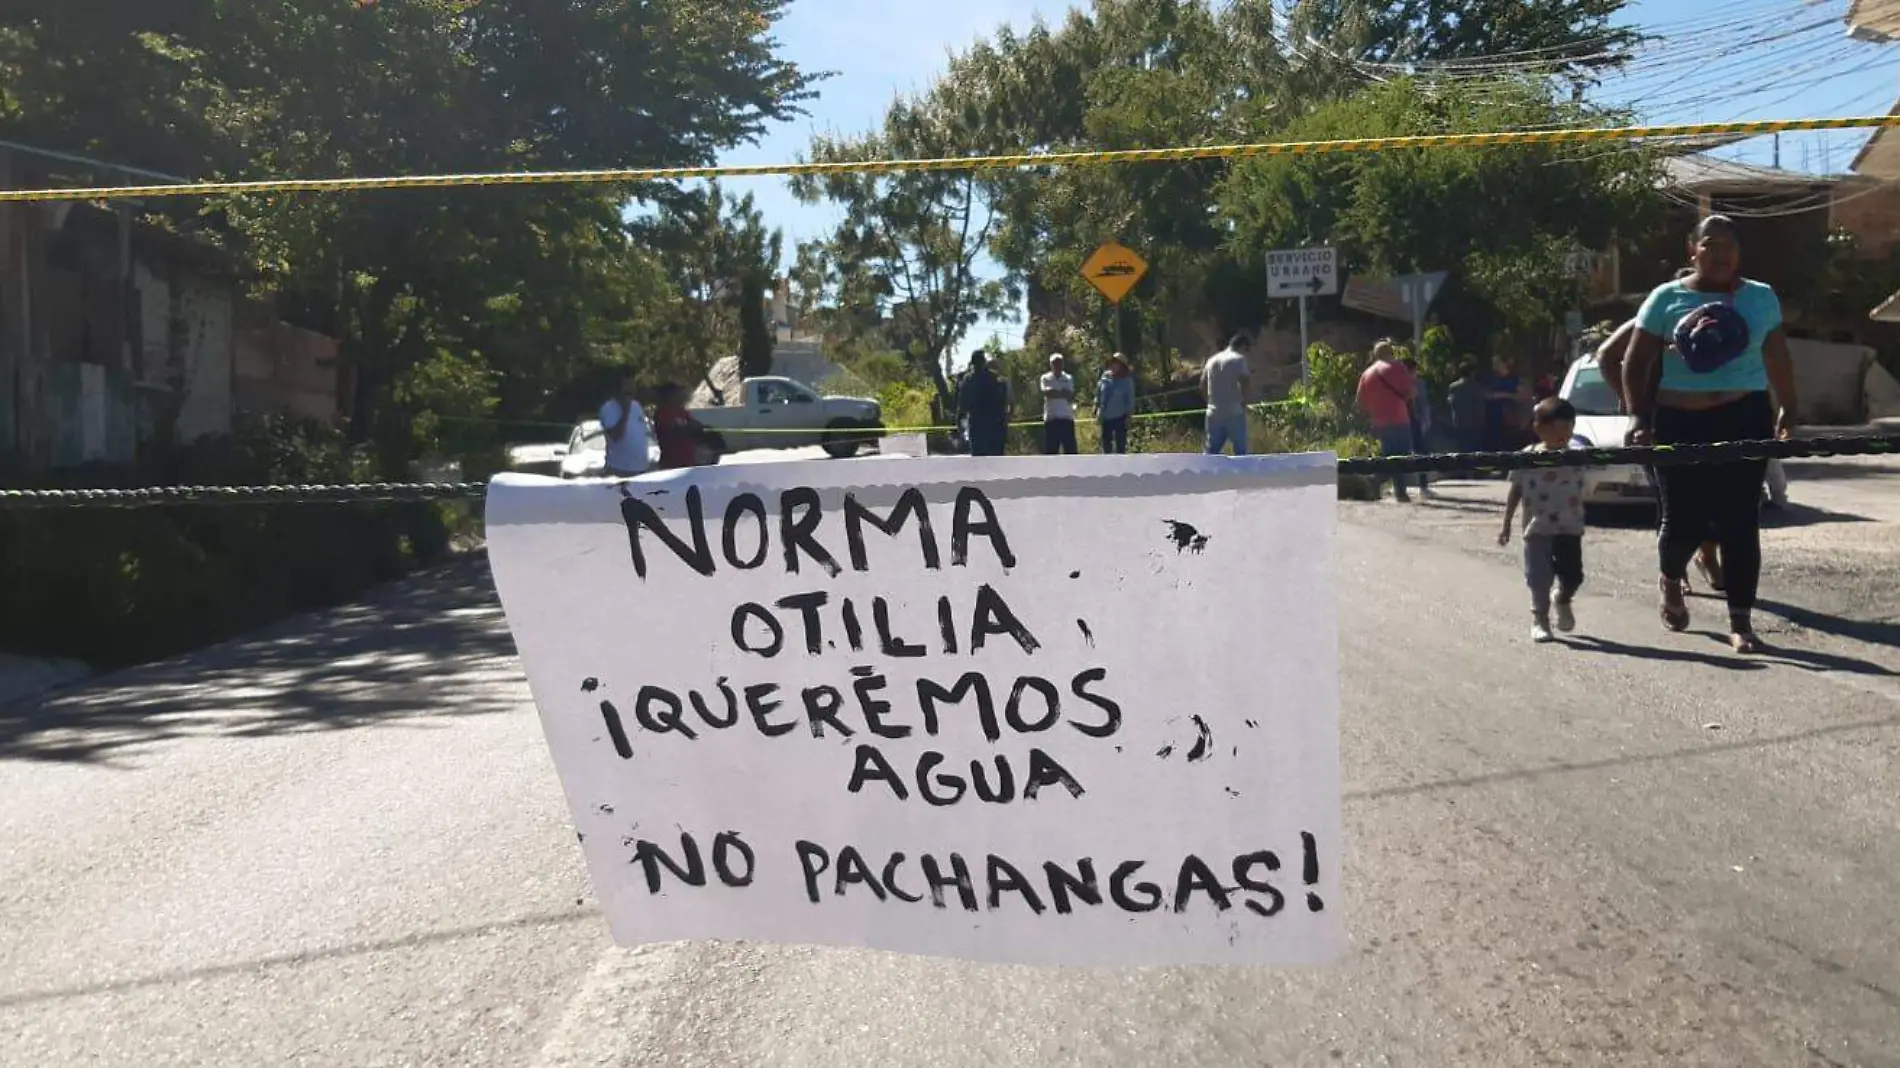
(1076, 711)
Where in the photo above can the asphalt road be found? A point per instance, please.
(342, 842)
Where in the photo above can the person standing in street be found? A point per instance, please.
(1385, 395)
(1224, 382)
(1726, 375)
(624, 424)
(1058, 410)
(1708, 559)
(984, 403)
(1466, 399)
(1503, 406)
(682, 438)
(1114, 403)
(1421, 420)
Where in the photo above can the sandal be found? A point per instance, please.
(1675, 612)
(1746, 644)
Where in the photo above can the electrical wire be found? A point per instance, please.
(1650, 55)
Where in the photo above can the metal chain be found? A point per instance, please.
(1657, 456)
(151, 496)
(1435, 463)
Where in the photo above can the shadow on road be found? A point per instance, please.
(1788, 516)
(435, 645)
(1819, 663)
(1674, 656)
(1822, 471)
(1803, 659)
(1795, 514)
(1442, 503)
(1873, 632)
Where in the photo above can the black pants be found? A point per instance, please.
(1115, 434)
(1058, 436)
(1419, 446)
(1720, 500)
(987, 436)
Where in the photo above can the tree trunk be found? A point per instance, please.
(755, 333)
(945, 404)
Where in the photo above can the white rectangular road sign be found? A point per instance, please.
(1302, 272)
(988, 709)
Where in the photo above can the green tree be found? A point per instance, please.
(1124, 74)
(1500, 220)
(1578, 39)
(909, 241)
(520, 281)
(719, 257)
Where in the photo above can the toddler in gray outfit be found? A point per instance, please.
(1552, 499)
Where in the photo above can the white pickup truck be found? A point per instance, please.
(780, 413)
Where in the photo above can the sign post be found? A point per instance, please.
(1302, 273)
(1114, 270)
(1418, 291)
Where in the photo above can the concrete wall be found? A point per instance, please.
(152, 361)
(1832, 381)
(1882, 393)
(25, 341)
(188, 349)
(91, 414)
(279, 367)
(1870, 210)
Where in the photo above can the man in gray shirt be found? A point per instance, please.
(1224, 383)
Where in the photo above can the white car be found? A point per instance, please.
(779, 413)
(585, 454)
(1601, 425)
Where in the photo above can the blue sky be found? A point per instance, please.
(1721, 60)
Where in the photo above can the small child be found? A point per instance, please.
(1553, 520)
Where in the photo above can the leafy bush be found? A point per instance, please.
(1438, 358)
(905, 404)
(1332, 377)
(114, 587)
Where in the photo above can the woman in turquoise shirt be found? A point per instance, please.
(1724, 396)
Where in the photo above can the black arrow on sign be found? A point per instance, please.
(1316, 285)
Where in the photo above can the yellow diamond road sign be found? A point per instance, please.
(1114, 270)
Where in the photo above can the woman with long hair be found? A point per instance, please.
(1722, 349)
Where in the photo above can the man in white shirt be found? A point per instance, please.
(625, 426)
(1224, 384)
(1058, 409)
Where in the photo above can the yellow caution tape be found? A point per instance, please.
(954, 163)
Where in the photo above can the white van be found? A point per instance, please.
(1601, 425)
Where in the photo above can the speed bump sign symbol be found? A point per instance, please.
(1114, 269)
